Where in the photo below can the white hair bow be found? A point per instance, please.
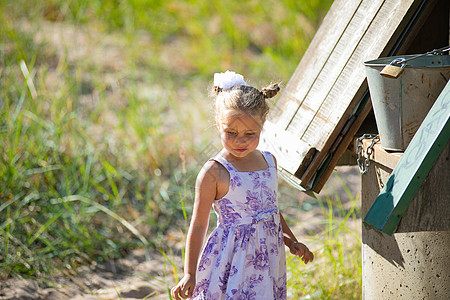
(228, 80)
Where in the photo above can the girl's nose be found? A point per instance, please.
(241, 139)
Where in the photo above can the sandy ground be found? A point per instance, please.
(141, 277)
(133, 277)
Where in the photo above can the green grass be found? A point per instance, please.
(105, 121)
(336, 271)
(77, 161)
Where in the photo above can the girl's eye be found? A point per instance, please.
(250, 133)
(230, 132)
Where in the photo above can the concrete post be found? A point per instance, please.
(413, 263)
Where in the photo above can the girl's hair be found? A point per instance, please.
(246, 99)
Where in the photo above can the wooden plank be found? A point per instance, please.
(352, 76)
(313, 60)
(413, 167)
(383, 157)
(288, 150)
(333, 68)
(320, 157)
(343, 145)
(430, 209)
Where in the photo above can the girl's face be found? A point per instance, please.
(239, 132)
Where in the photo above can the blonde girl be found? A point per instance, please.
(244, 256)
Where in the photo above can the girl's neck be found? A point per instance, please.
(254, 161)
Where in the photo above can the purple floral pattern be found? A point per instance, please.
(229, 272)
(235, 181)
(244, 256)
(226, 211)
(259, 259)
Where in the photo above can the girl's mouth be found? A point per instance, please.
(240, 150)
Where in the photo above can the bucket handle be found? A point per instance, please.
(402, 61)
(395, 68)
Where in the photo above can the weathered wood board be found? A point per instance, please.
(276, 140)
(328, 84)
(413, 167)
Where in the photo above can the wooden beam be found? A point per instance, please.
(343, 145)
(383, 157)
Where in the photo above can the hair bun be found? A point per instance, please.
(217, 90)
(270, 91)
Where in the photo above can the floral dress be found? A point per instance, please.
(244, 256)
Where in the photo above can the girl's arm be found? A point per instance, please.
(205, 193)
(290, 240)
(295, 247)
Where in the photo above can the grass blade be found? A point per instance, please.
(107, 211)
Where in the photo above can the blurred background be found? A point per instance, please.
(106, 119)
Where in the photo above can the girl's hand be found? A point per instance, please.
(301, 251)
(184, 288)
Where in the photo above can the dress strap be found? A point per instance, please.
(221, 160)
(269, 158)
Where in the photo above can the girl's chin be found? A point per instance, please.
(240, 153)
(240, 150)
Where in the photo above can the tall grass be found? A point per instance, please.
(104, 110)
(336, 271)
(80, 177)
(263, 39)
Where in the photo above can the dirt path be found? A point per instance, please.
(133, 277)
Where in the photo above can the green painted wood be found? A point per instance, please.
(413, 167)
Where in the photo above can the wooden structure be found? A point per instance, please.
(326, 100)
(326, 106)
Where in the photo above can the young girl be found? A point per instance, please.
(244, 256)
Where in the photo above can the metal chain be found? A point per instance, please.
(363, 159)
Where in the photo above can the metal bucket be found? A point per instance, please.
(400, 104)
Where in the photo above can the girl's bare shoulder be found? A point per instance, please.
(213, 171)
(214, 176)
